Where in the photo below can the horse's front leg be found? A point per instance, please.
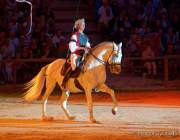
(90, 105)
(104, 88)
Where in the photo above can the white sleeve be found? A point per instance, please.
(88, 44)
(72, 44)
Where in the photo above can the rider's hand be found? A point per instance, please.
(87, 49)
(82, 48)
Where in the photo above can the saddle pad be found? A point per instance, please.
(65, 67)
(74, 74)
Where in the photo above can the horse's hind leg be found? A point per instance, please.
(63, 102)
(104, 88)
(49, 87)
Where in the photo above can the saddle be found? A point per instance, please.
(79, 68)
(75, 73)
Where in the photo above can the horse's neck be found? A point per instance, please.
(101, 53)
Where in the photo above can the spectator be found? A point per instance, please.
(149, 62)
(172, 63)
(26, 53)
(6, 67)
(50, 27)
(34, 50)
(7, 51)
(11, 4)
(13, 25)
(46, 49)
(143, 30)
(164, 22)
(57, 38)
(175, 23)
(13, 44)
(38, 27)
(155, 5)
(26, 41)
(171, 37)
(148, 9)
(9, 70)
(127, 24)
(131, 46)
(2, 64)
(105, 16)
(45, 52)
(97, 4)
(121, 3)
(3, 37)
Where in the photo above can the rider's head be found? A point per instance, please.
(79, 25)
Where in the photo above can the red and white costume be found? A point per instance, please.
(74, 44)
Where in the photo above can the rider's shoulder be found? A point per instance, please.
(74, 36)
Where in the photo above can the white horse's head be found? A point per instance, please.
(116, 59)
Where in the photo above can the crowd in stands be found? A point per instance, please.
(15, 24)
(139, 24)
(119, 20)
(43, 42)
(145, 27)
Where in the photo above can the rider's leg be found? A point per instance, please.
(74, 58)
(70, 69)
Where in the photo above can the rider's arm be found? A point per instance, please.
(72, 44)
(88, 44)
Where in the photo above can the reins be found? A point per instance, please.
(101, 61)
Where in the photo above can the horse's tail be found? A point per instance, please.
(35, 86)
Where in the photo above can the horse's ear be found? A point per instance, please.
(120, 44)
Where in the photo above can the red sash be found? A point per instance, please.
(77, 43)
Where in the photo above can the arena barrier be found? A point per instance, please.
(167, 67)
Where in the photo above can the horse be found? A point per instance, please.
(93, 76)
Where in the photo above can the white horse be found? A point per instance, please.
(92, 76)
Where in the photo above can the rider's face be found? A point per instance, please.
(82, 26)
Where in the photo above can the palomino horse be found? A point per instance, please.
(92, 76)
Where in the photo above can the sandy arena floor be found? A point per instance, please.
(151, 116)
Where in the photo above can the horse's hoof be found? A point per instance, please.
(72, 117)
(93, 121)
(113, 111)
(47, 118)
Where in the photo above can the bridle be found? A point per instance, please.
(107, 61)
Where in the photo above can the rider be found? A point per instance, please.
(78, 42)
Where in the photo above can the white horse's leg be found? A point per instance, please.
(63, 102)
(90, 105)
(44, 107)
(104, 88)
(49, 87)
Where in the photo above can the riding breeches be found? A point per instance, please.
(74, 59)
